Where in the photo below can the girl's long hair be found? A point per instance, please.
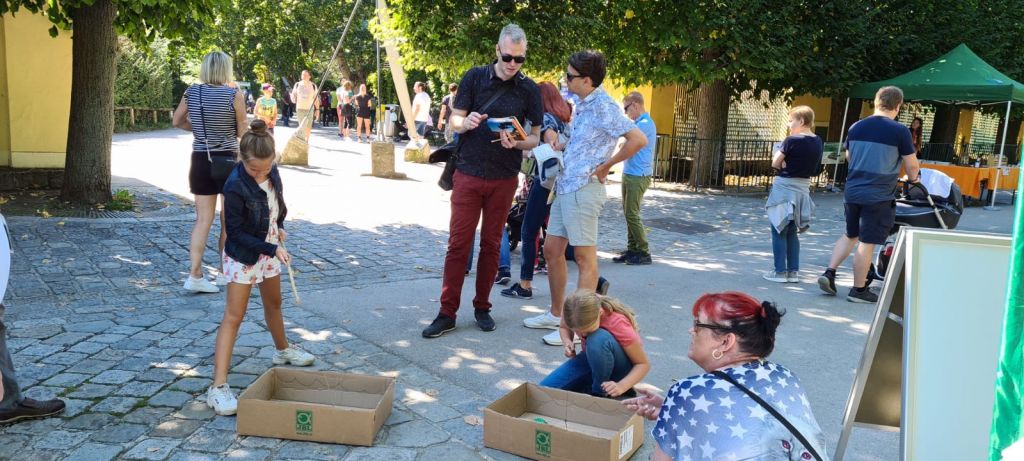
(583, 309)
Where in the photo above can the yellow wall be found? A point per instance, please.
(822, 108)
(5, 116)
(38, 91)
(963, 127)
(659, 101)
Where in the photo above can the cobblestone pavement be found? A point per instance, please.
(97, 317)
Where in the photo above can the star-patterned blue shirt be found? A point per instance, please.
(707, 418)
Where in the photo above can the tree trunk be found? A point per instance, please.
(835, 122)
(712, 122)
(947, 116)
(91, 122)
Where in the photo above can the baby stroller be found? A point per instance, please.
(916, 207)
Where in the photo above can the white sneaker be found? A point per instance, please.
(778, 277)
(222, 400)
(294, 356)
(545, 320)
(555, 339)
(220, 280)
(200, 285)
(793, 277)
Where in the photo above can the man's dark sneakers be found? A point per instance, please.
(603, 285)
(30, 409)
(622, 257)
(638, 259)
(441, 325)
(862, 295)
(517, 291)
(827, 282)
(503, 277)
(483, 319)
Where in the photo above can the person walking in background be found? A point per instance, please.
(325, 104)
(636, 178)
(266, 107)
(364, 109)
(789, 205)
(486, 172)
(287, 105)
(917, 132)
(214, 112)
(446, 112)
(580, 188)
(345, 110)
(421, 108)
(307, 103)
(255, 212)
(876, 149)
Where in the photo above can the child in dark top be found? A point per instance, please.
(254, 213)
(789, 205)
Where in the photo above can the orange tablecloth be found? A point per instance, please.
(969, 178)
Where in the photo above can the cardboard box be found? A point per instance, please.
(550, 424)
(316, 406)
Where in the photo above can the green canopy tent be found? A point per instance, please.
(957, 77)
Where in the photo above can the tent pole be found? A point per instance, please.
(999, 163)
(839, 154)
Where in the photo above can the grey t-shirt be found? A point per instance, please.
(877, 145)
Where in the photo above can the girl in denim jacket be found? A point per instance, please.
(254, 213)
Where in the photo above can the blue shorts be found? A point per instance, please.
(871, 223)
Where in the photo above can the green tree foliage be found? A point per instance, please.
(272, 39)
(144, 76)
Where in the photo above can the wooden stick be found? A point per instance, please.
(291, 279)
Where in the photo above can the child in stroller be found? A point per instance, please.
(935, 202)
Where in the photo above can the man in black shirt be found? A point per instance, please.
(486, 173)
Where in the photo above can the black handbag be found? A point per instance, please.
(449, 153)
(220, 165)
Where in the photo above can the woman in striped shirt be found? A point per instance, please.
(214, 111)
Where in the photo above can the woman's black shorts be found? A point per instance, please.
(199, 180)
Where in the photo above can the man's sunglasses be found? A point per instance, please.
(569, 77)
(510, 58)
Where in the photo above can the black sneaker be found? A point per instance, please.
(863, 295)
(484, 320)
(441, 325)
(638, 259)
(518, 292)
(622, 257)
(603, 285)
(31, 409)
(503, 277)
(827, 282)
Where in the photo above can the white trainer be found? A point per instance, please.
(293, 355)
(545, 320)
(793, 277)
(555, 339)
(777, 277)
(222, 400)
(200, 285)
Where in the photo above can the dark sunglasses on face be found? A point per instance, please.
(626, 109)
(510, 58)
(569, 77)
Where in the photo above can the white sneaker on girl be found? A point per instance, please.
(222, 400)
(293, 355)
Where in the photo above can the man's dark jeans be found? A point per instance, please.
(471, 197)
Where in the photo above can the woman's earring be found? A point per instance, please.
(717, 354)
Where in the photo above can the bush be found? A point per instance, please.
(143, 75)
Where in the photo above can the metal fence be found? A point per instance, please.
(740, 165)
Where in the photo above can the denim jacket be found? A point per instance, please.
(247, 215)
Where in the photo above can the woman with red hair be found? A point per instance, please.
(556, 124)
(744, 406)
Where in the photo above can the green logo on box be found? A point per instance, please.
(543, 442)
(303, 422)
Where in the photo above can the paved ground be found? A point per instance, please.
(97, 315)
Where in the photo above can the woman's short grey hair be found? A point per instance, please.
(216, 69)
(513, 33)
